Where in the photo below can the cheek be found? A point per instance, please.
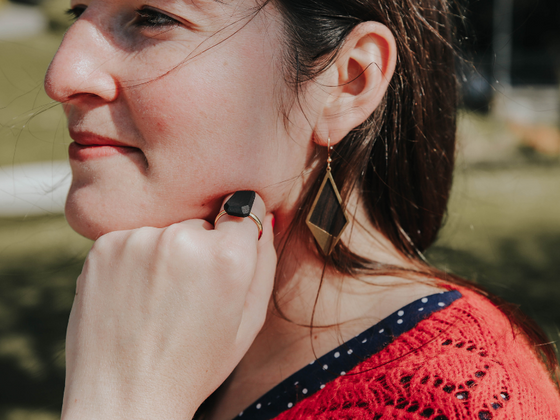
(214, 123)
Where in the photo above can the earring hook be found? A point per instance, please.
(329, 148)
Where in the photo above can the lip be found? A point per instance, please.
(86, 138)
(88, 146)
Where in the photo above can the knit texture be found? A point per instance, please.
(464, 362)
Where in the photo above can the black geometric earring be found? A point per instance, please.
(327, 219)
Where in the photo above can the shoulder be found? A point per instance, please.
(466, 361)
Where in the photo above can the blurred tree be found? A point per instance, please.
(29, 2)
(535, 39)
(55, 11)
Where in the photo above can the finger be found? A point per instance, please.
(262, 284)
(194, 224)
(245, 229)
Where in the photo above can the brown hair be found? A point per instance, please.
(401, 159)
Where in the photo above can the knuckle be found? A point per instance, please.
(176, 231)
(139, 239)
(175, 237)
(106, 243)
(226, 256)
(233, 260)
(143, 233)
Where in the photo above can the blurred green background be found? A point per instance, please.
(502, 230)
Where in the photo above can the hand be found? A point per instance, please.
(162, 316)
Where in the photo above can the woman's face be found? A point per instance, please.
(173, 104)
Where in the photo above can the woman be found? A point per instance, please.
(175, 105)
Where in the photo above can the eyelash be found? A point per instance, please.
(145, 18)
(149, 18)
(75, 12)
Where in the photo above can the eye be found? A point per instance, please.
(75, 12)
(150, 18)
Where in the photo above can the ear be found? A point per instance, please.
(356, 81)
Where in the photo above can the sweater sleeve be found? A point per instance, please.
(465, 362)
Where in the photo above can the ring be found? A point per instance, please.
(251, 215)
(240, 205)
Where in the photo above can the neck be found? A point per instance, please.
(309, 294)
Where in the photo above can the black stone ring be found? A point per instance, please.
(240, 204)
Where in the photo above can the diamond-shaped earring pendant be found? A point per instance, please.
(327, 218)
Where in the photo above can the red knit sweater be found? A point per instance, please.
(464, 362)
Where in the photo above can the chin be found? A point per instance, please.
(92, 211)
(92, 224)
(87, 224)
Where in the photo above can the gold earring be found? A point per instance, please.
(327, 219)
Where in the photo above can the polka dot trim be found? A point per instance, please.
(315, 376)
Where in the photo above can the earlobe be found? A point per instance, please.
(358, 79)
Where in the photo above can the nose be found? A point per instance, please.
(83, 69)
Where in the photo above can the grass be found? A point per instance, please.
(503, 231)
(32, 126)
(40, 259)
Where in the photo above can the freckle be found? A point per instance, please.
(225, 63)
(315, 337)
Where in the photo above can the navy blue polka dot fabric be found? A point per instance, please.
(344, 358)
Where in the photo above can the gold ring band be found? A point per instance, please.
(251, 215)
